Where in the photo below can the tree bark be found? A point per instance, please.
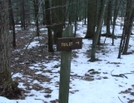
(58, 18)
(5, 75)
(48, 23)
(109, 17)
(44, 15)
(117, 2)
(4, 42)
(36, 15)
(11, 16)
(127, 28)
(96, 36)
(128, 24)
(91, 18)
(23, 14)
(8, 88)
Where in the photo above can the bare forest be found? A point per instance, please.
(30, 31)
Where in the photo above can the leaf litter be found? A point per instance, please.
(37, 71)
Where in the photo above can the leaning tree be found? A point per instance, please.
(128, 23)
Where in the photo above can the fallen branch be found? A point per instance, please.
(120, 100)
(120, 75)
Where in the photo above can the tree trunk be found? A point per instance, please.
(48, 23)
(4, 42)
(91, 18)
(58, 18)
(7, 86)
(85, 12)
(117, 2)
(36, 15)
(75, 17)
(101, 4)
(128, 24)
(127, 28)
(109, 17)
(23, 15)
(70, 12)
(96, 36)
(43, 11)
(12, 22)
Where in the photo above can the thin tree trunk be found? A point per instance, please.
(12, 22)
(127, 28)
(109, 15)
(23, 15)
(70, 11)
(76, 17)
(117, 2)
(121, 44)
(91, 18)
(85, 13)
(36, 15)
(96, 36)
(58, 18)
(48, 22)
(44, 16)
(128, 32)
(98, 18)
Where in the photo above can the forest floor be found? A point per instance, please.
(37, 70)
(22, 57)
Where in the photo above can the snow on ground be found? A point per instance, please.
(85, 87)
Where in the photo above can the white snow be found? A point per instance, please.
(99, 90)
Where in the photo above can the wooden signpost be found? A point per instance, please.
(65, 45)
(68, 44)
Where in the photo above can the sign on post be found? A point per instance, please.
(70, 43)
(65, 45)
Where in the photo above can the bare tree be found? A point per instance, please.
(11, 17)
(23, 14)
(6, 83)
(91, 18)
(48, 22)
(117, 2)
(99, 26)
(109, 17)
(127, 28)
(36, 15)
(58, 18)
(4, 43)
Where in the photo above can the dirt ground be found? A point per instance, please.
(22, 57)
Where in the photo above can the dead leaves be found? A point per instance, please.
(129, 91)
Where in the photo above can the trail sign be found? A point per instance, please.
(69, 43)
(65, 45)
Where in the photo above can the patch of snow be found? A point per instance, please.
(105, 88)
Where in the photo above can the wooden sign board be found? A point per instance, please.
(68, 44)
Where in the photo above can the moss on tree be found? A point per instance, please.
(8, 87)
